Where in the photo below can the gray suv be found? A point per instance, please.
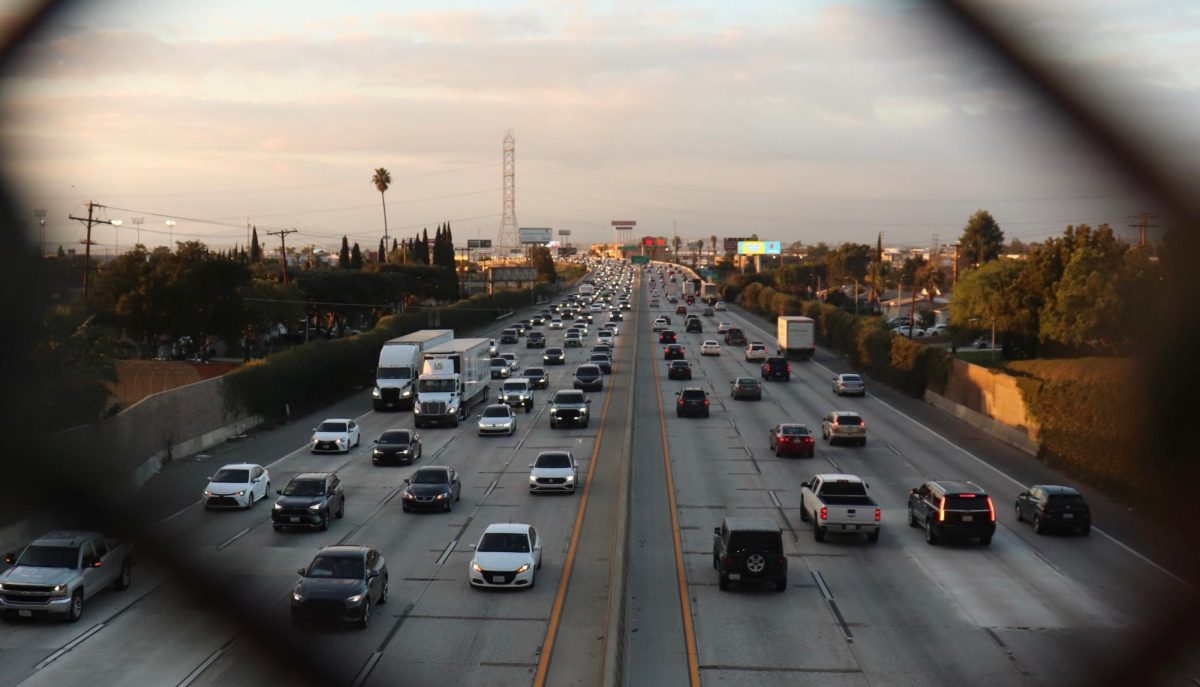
(569, 406)
(311, 499)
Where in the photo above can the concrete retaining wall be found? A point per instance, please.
(1015, 436)
(989, 393)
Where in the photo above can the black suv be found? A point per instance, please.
(667, 336)
(749, 550)
(673, 352)
(952, 509)
(691, 401)
(569, 406)
(777, 367)
(535, 340)
(1048, 506)
(679, 369)
(693, 325)
(341, 583)
(735, 337)
(310, 499)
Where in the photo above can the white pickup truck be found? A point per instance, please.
(59, 570)
(839, 503)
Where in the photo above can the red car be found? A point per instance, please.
(788, 439)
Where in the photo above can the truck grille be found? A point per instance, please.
(551, 480)
(389, 394)
(567, 414)
(433, 407)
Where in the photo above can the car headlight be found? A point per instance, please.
(452, 410)
(570, 478)
(554, 412)
(407, 393)
(475, 567)
(316, 506)
(297, 596)
(532, 478)
(313, 440)
(375, 393)
(417, 408)
(523, 568)
(377, 452)
(407, 496)
(208, 494)
(442, 496)
(278, 506)
(239, 492)
(340, 442)
(355, 599)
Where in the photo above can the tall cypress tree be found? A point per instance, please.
(424, 247)
(344, 254)
(356, 260)
(255, 249)
(382, 252)
(449, 238)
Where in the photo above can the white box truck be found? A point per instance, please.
(454, 376)
(586, 290)
(400, 364)
(796, 337)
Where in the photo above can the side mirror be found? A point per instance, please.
(588, 401)
(1023, 495)
(913, 492)
(92, 562)
(409, 482)
(314, 429)
(279, 491)
(531, 465)
(374, 441)
(10, 558)
(301, 571)
(717, 531)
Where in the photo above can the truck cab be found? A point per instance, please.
(454, 376)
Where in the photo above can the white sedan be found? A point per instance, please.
(553, 471)
(498, 418)
(507, 555)
(724, 327)
(556, 323)
(757, 351)
(338, 435)
(710, 347)
(719, 305)
(660, 324)
(237, 486)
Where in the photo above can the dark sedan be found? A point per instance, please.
(679, 369)
(788, 439)
(673, 352)
(777, 367)
(1048, 507)
(432, 487)
(589, 378)
(745, 387)
(399, 446)
(538, 377)
(340, 584)
(535, 340)
(554, 356)
(667, 336)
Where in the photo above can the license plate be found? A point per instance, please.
(294, 519)
(25, 614)
(1068, 516)
(735, 576)
(968, 518)
(496, 579)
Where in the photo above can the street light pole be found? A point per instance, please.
(993, 339)
(137, 222)
(171, 228)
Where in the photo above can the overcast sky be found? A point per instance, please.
(797, 121)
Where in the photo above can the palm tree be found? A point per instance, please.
(675, 243)
(382, 179)
(713, 240)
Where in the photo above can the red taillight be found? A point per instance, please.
(942, 510)
(680, 401)
(706, 401)
(824, 513)
(991, 509)
(878, 515)
(966, 496)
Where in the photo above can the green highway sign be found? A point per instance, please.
(640, 260)
(631, 246)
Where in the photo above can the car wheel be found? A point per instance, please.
(126, 577)
(912, 519)
(383, 593)
(1085, 530)
(448, 506)
(985, 540)
(723, 583)
(325, 521)
(406, 508)
(777, 453)
(818, 533)
(1020, 518)
(930, 536)
(277, 528)
(75, 610)
(803, 513)
(873, 537)
(1038, 527)
(365, 620)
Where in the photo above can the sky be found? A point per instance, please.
(796, 121)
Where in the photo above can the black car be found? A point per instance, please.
(679, 369)
(602, 361)
(431, 487)
(952, 509)
(340, 584)
(535, 340)
(667, 336)
(554, 356)
(749, 550)
(735, 337)
(1048, 507)
(509, 336)
(693, 325)
(691, 401)
(589, 377)
(616, 317)
(568, 314)
(310, 499)
(673, 352)
(538, 377)
(777, 367)
(400, 446)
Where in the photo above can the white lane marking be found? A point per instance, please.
(1013, 480)
(195, 674)
(821, 584)
(70, 645)
(366, 669)
(449, 550)
(232, 539)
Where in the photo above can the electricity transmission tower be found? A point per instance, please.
(507, 239)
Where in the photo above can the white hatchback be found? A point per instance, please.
(556, 323)
(724, 327)
(757, 351)
(507, 555)
(710, 347)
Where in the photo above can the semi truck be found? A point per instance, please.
(454, 377)
(399, 365)
(796, 337)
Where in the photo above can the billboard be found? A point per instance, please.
(731, 245)
(479, 243)
(535, 235)
(653, 241)
(759, 247)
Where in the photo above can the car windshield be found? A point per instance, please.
(851, 378)
(795, 431)
(849, 420)
(515, 386)
(553, 460)
(499, 362)
(336, 567)
(331, 427)
(600, 357)
(554, 351)
(49, 557)
(711, 343)
(235, 476)
(693, 394)
(569, 397)
(436, 385)
(304, 487)
(1066, 499)
(395, 437)
(394, 373)
(967, 502)
(428, 476)
(747, 381)
(585, 370)
(504, 542)
(680, 363)
(495, 411)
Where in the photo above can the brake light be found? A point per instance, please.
(878, 515)
(728, 560)
(991, 509)
(824, 513)
(680, 401)
(706, 401)
(942, 510)
(789, 367)
(966, 496)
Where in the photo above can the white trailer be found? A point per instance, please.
(399, 366)
(454, 376)
(796, 337)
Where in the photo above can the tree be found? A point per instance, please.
(676, 242)
(991, 294)
(382, 179)
(255, 248)
(543, 262)
(981, 239)
(849, 262)
(344, 254)
(1100, 299)
(382, 257)
(713, 240)
(356, 258)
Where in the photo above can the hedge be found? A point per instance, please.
(305, 378)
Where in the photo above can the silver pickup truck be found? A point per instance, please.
(839, 503)
(60, 570)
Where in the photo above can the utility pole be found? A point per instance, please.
(282, 234)
(1143, 226)
(89, 222)
(41, 217)
(137, 222)
(954, 272)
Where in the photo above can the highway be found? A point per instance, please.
(1028, 610)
